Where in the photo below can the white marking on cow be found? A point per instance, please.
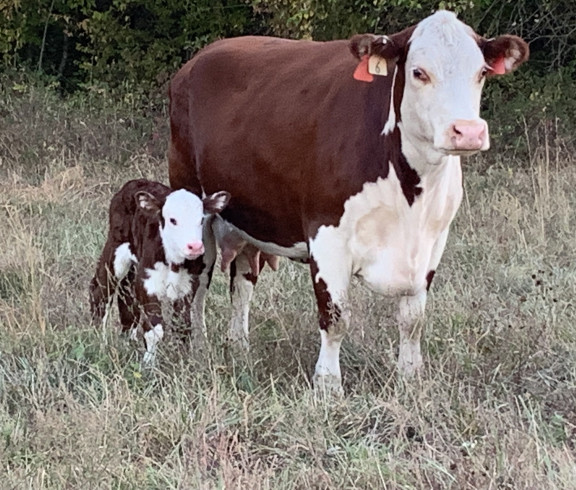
(391, 246)
(164, 283)
(410, 317)
(123, 260)
(385, 241)
(152, 338)
(242, 290)
(222, 228)
(445, 50)
(391, 121)
(327, 373)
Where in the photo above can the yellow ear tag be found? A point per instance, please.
(377, 65)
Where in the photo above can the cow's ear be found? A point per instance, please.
(147, 202)
(214, 203)
(504, 54)
(388, 47)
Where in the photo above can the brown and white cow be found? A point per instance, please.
(151, 254)
(349, 162)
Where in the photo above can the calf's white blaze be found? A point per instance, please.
(183, 213)
(164, 283)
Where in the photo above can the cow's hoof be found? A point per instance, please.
(328, 385)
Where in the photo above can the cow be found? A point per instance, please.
(152, 254)
(342, 154)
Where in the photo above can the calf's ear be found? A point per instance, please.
(504, 54)
(147, 202)
(214, 203)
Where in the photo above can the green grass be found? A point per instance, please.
(494, 408)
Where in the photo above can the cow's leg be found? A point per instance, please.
(242, 282)
(203, 278)
(410, 318)
(331, 278)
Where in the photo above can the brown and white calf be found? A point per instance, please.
(151, 255)
(344, 154)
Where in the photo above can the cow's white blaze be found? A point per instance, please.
(164, 283)
(444, 78)
(123, 260)
(183, 213)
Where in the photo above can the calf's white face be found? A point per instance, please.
(182, 219)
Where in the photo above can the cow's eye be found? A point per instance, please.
(173, 221)
(420, 74)
(484, 72)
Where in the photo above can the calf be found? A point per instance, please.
(154, 239)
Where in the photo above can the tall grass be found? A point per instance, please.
(495, 407)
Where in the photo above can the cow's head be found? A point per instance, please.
(442, 65)
(181, 218)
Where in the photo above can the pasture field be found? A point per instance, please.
(495, 407)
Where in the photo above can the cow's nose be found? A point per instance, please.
(467, 135)
(195, 248)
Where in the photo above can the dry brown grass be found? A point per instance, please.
(495, 408)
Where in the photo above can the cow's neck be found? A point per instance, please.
(421, 156)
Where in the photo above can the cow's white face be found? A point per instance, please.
(183, 215)
(445, 72)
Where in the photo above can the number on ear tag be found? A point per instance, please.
(377, 66)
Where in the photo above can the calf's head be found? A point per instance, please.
(440, 68)
(181, 217)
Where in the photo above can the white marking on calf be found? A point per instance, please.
(164, 283)
(183, 213)
(152, 338)
(123, 260)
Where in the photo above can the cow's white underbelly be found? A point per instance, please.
(389, 244)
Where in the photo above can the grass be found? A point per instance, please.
(495, 407)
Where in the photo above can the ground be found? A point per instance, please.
(494, 408)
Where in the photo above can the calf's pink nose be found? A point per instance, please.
(195, 247)
(467, 135)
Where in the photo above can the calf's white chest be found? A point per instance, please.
(389, 244)
(164, 283)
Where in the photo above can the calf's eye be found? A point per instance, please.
(173, 221)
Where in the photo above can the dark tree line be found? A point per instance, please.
(133, 46)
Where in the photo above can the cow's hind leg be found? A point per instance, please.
(242, 282)
(410, 317)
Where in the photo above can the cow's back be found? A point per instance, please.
(289, 115)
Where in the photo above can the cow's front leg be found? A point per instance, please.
(330, 285)
(410, 318)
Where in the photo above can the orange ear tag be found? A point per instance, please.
(361, 72)
(499, 67)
